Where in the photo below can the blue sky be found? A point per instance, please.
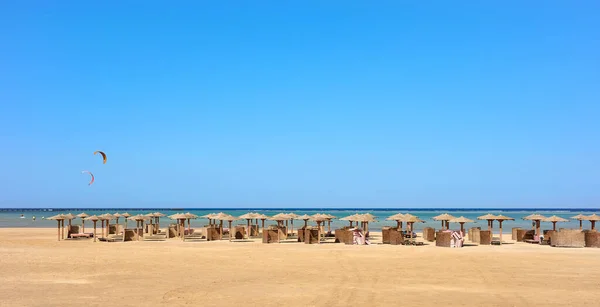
(312, 104)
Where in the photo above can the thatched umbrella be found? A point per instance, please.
(501, 218)
(60, 219)
(139, 219)
(105, 217)
(398, 218)
(319, 218)
(536, 218)
(125, 215)
(364, 219)
(210, 217)
(117, 215)
(350, 218)
(329, 218)
(157, 216)
(410, 220)
(444, 218)
(279, 218)
(490, 219)
(262, 218)
(304, 217)
(189, 216)
(593, 219)
(461, 220)
(229, 218)
(82, 216)
(248, 217)
(580, 218)
(554, 219)
(94, 219)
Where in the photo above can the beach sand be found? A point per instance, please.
(38, 270)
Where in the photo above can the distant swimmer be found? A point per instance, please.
(43, 217)
(33, 218)
(22, 216)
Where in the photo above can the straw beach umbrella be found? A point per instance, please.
(125, 215)
(365, 219)
(139, 219)
(444, 218)
(304, 217)
(180, 218)
(398, 218)
(350, 218)
(82, 216)
(59, 218)
(189, 216)
(117, 216)
(229, 218)
(536, 218)
(410, 220)
(554, 219)
(593, 219)
(580, 218)
(461, 220)
(248, 217)
(489, 218)
(105, 217)
(501, 218)
(94, 219)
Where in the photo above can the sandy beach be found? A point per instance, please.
(38, 270)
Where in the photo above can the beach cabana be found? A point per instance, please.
(59, 218)
(501, 218)
(82, 216)
(554, 219)
(105, 218)
(94, 219)
(593, 219)
(180, 218)
(444, 218)
(536, 218)
(461, 220)
(579, 217)
(139, 219)
(249, 217)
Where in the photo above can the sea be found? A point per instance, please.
(14, 217)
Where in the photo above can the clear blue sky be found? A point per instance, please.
(313, 104)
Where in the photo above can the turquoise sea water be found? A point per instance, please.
(11, 217)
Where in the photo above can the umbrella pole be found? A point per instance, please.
(248, 220)
(593, 225)
(554, 226)
(443, 225)
(500, 225)
(263, 224)
(537, 228)
(580, 224)
(83, 224)
(462, 228)
(292, 222)
(328, 225)
(229, 230)
(58, 229)
(95, 231)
